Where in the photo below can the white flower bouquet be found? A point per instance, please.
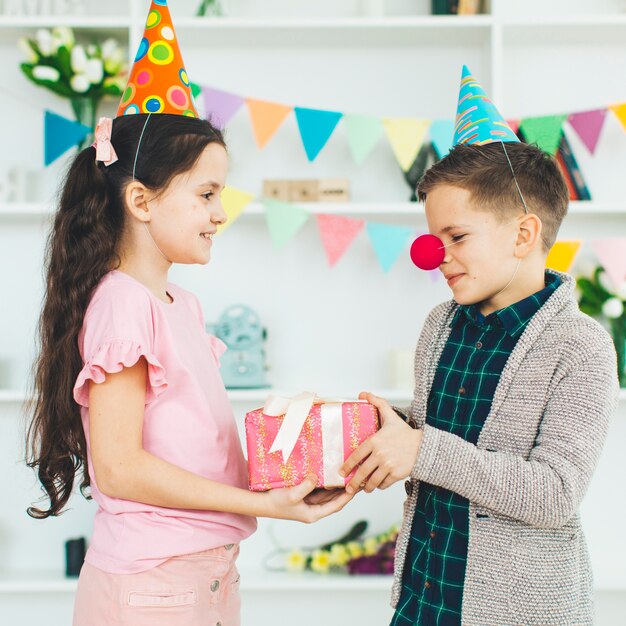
(83, 74)
(598, 297)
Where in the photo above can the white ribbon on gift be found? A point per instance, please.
(296, 410)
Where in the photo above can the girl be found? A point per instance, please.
(127, 383)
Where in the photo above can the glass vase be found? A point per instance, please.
(84, 108)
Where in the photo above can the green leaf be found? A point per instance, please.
(64, 62)
(111, 90)
(596, 276)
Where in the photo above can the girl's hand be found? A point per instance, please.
(387, 456)
(289, 502)
(320, 496)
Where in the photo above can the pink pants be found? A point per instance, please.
(200, 589)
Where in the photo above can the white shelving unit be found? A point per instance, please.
(532, 57)
(16, 210)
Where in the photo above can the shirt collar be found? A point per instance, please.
(514, 317)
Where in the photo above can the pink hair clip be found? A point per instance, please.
(104, 148)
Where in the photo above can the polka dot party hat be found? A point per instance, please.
(477, 119)
(158, 81)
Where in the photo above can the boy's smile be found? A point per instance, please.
(481, 252)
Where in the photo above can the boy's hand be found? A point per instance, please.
(388, 456)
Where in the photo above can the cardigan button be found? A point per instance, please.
(479, 345)
(408, 487)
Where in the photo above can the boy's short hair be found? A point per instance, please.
(484, 171)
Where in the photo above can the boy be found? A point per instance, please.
(514, 389)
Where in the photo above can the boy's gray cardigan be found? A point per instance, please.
(527, 562)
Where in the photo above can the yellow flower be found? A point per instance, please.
(370, 546)
(339, 555)
(355, 549)
(320, 561)
(296, 561)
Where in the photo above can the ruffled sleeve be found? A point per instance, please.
(218, 347)
(111, 357)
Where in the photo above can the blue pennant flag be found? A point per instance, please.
(316, 127)
(441, 132)
(60, 134)
(388, 242)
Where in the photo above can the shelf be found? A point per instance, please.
(14, 396)
(84, 22)
(379, 209)
(341, 32)
(12, 27)
(53, 582)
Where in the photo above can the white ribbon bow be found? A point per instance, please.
(296, 410)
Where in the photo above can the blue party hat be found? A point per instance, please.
(477, 119)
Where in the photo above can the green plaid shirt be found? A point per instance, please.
(460, 399)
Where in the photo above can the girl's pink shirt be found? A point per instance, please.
(188, 421)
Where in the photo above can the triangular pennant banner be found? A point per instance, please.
(337, 234)
(562, 255)
(284, 220)
(612, 255)
(545, 131)
(234, 202)
(406, 136)
(316, 127)
(620, 112)
(61, 134)
(441, 133)
(388, 241)
(266, 117)
(513, 125)
(588, 125)
(220, 106)
(363, 132)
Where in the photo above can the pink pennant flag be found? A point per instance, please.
(588, 125)
(612, 256)
(337, 234)
(220, 106)
(513, 125)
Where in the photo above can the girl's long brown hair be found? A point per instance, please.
(81, 248)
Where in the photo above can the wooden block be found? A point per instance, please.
(334, 190)
(276, 189)
(303, 190)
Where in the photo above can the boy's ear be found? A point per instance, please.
(136, 200)
(529, 235)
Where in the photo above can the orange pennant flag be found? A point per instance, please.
(562, 254)
(620, 112)
(337, 234)
(266, 117)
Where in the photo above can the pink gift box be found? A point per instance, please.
(329, 435)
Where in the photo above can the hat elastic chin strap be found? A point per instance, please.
(155, 244)
(134, 168)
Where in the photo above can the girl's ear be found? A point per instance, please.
(136, 200)
(528, 235)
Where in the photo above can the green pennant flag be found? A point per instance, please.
(545, 131)
(363, 132)
(284, 220)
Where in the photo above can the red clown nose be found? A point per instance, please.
(427, 252)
